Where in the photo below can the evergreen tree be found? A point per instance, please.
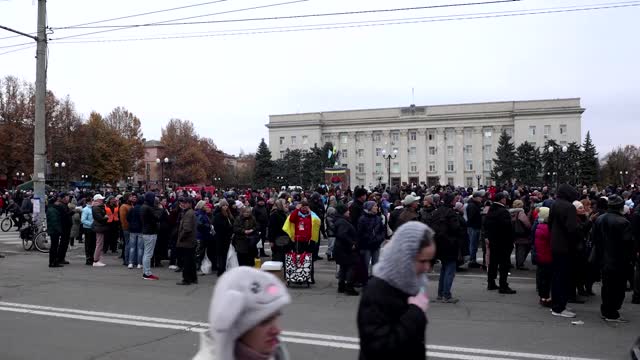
(328, 161)
(293, 167)
(569, 164)
(549, 161)
(527, 164)
(263, 174)
(312, 167)
(504, 163)
(589, 164)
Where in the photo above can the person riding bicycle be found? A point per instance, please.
(16, 214)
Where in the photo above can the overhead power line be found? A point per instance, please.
(191, 17)
(359, 12)
(370, 23)
(19, 49)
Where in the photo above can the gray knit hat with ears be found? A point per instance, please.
(242, 298)
(396, 265)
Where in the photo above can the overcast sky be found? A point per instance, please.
(229, 85)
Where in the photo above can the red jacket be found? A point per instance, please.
(303, 225)
(543, 244)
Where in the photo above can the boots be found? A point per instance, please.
(341, 287)
(492, 285)
(350, 291)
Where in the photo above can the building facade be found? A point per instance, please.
(442, 144)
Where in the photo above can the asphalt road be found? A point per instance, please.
(80, 312)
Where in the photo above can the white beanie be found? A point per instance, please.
(242, 298)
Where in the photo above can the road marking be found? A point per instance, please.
(334, 341)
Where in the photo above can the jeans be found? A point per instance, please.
(125, 248)
(136, 248)
(369, 256)
(149, 246)
(447, 274)
(474, 240)
(560, 282)
(331, 244)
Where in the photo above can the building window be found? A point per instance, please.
(344, 138)
(378, 168)
(432, 166)
(532, 130)
(488, 150)
(281, 140)
(345, 166)
(360, 153)
(450, 166)
(509, 131)
(412, 151)
(378, 151)
(469, 182)
(432, 150)
(547, 130)
(450, 150)
(413, 136)
(305, 140)
(468, 149)
(487, 165)
(281, 154)
(344, 154)
(360, 168)
(468, 165)
(533, 144)
(431, 135)
(450, 181)
(327, 138)
(396, 167)
(563, 143)
(413, 167)
(468, 134)
(376, 137)
(563, 129)
(293, 140)
(488, 134)
(395, 136)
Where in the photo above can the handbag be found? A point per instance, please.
(206, 265)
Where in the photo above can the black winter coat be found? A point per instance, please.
(150, 217)
(635, 229)
(99, 219)
(371, 232)
(612, 239)
(356, 210)
(261, 215)
(388, 326)
(345, 233)
(497, 225)
(224, 229)
(276, 222)
(474, 215)
(563, 220)
(426, 213)
(134, 220)
(448, 233)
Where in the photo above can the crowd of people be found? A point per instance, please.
(575, 236)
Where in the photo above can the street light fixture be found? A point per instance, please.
(478, 177)
(162, 163)
(388, 158)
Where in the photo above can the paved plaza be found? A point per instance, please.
(81, 312)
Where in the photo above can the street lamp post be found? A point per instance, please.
(623, 174)
(557, 163)
(167, 181)
(478, 177)
(162, 163)
(388, 158)
(59, 168)
(84, 178)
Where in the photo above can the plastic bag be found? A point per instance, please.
(232, 258)
(206, 265)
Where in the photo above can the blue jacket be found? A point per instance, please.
(370, 231)
(87, 218)
(203, 225)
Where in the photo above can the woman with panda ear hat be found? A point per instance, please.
(244, 317)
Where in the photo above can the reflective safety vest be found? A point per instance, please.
(112, 215)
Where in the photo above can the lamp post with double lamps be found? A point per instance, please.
(623, 174)
(557, 162)
(162, 163)
(388, 158)
(60, 166)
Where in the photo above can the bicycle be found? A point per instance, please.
(6, 224)
(35, 236)
(10, 221)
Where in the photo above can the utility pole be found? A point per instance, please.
(39, 136)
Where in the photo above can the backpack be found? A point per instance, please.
(519, 229)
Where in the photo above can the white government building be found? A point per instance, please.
(441, 144)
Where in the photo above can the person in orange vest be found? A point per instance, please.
(113, 221)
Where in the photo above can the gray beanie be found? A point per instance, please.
(396, 265)
(242, 298)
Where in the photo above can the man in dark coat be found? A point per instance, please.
(261, 215)
(186, 243)
(100, 228)
(409, 211)
(444, 222)
(635, 225)
(356, 209)
(58, 224)
(563, 225)
(614, 245)
(500, 234)
(474, 226)
(344, 251)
